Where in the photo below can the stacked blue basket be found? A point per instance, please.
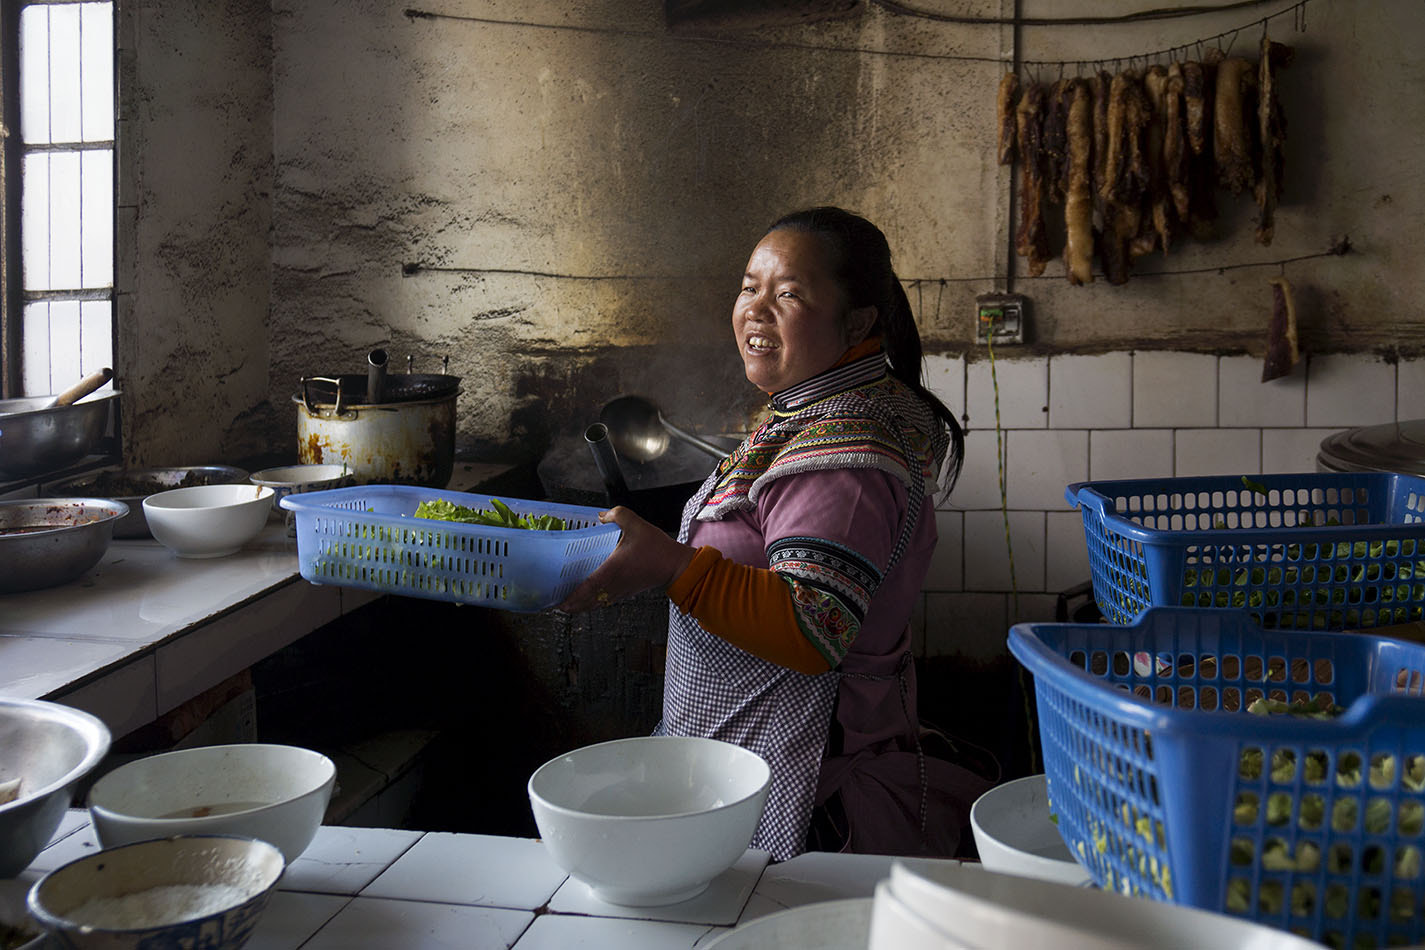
(1219, 592)
(1328, 551)
(1163, 786)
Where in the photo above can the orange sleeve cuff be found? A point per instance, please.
(749, 607)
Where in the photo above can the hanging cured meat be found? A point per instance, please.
(1282, 347)
(1004, 109)
(1078, 199)
(1032, 241)
(1175, 145)
(1196, 105)
(1271, 127)
(1056, 141)
(1158, 200)
(1235, 124)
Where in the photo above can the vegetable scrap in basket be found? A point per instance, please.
(503, 516)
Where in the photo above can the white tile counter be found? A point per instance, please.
(378, 889)
(144, 630)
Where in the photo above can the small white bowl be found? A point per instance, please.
(650, 820)
(278, 793)
(207, 520)
(296, 479)
(1014, 833)
(226, 882)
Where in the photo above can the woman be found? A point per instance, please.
(794, 573)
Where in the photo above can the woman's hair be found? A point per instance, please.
(862, 266)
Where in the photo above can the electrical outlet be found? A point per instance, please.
(1001, 318)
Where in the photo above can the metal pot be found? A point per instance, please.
(37, 436)
(50, 541)
(407, 437)
(1392, 447)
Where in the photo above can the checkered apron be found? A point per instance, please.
(720, 691)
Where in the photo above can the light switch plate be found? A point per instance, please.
(1001, 318)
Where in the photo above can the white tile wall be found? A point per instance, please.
(1291, 450)
(946, 566)
(988, 560)
(1410, 390)
(1348, 389)
(1041, 463)
(1120, 415)
(1130, 453)
(1174, 390)
(1091, 392)
(1218, 451)
(978, 486)
(1023, 393)
(945, 377)
(1244, 400)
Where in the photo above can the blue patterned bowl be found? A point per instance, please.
(175, 893)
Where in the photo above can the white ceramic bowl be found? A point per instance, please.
(48, 747)
(896, 926)
(1014, 834)
(227, 882)
(983, 908)
(278, 793)
(296, 479)
(650, 820)
(207, 520)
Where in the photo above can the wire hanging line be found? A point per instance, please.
(1137, 16)
(1338, 248)
(1296, 9)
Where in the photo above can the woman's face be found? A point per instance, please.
(789, 315)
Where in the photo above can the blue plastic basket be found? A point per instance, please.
(368, 537)
(1328, 551)
(1149, 752)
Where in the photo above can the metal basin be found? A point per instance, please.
(49, 748)
(35, 440)
(132, 485)
(45, 542)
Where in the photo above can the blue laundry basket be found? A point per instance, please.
(1163, 786)
(1327, 551)
(367, 537)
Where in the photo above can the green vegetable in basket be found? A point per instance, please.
(1318, 707)
(1257, 487)
(503, 516)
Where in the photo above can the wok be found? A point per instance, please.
(35, 440)
(132, 485)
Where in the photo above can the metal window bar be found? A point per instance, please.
(60, 82)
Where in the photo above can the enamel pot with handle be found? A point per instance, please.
(389, 429)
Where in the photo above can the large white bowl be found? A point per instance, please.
(278, 793)
(238, 875)
(650, 820)
(895, 925)
(1014, 834)
(207, 520)
(48, 747)
(983, 908)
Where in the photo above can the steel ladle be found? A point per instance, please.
(640, 432)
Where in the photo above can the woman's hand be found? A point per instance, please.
(645, 557)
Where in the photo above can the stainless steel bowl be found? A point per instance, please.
(35, 440)
(45, 542)
(49, 748)
(151, 481)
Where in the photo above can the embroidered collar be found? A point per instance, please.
(835, 380)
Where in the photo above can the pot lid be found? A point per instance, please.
(397, 388)
(1392, 447)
